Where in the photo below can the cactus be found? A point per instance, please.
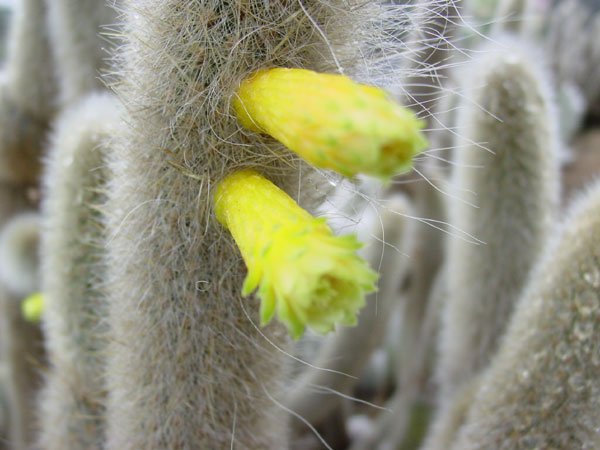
(425, 255)
(507, 157)
(541, 389)
(26, 106)
(450, 419)
(151, 341)
(511, 15)
(22, 350)
(21, 355)
(188, 367)
(75, 27)
(3, 408)
(27, 94)
(572, 45)
(71, 406)
(19, 260)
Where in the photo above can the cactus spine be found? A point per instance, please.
(187, 367)
(507, 156)
(541, 389)
(72, 401)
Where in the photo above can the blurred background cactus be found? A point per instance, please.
(116, 126)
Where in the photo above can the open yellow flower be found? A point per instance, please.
(32, 307)
(302, 271)
(331, 121)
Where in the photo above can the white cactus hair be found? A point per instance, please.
(19, 254)
(70, 408)
(507, 156)
(432, 48)
(541, 389)
(4, 421)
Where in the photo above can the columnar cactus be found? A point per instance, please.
(22, 349)
(432, 49)
(572, 28)
(3, 408)
(510, 15)
(541, 389)
(71, 407)
(26, 94)
(188, 365)
(26, 106)
(19, 260)
(80, 51)
(451, 417)
(506, 156)
(426, 255)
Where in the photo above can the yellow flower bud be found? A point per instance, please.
(302, 271)
(331, 121)
(32, 307)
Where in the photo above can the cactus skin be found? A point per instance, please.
(350, 348)
(75, 27)
(541, 390)
(71, 406)
(19, 260)
(517, 193)
(186, 367)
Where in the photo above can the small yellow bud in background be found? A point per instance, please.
(302, 271)
(32, 307)
(331, 121)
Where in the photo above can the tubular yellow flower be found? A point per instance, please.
(302, 271)
(32, 307)
(331, 121)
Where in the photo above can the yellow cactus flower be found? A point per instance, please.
(331, 121)
(302, 271)
(32, 307)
